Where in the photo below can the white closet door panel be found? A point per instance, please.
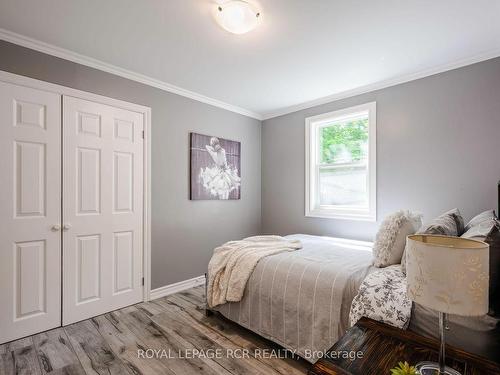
(88, 268)
(123, 260)
(88, 188)
(103, 195)
(30, 278)
(30, 252)
(123, 180)
(29, 160)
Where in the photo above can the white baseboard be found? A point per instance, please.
(177, 287)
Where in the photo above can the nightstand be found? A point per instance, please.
(383, 346)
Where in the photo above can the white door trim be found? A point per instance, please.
(146, 111)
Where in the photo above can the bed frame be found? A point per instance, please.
(209, 312)
(498, 200)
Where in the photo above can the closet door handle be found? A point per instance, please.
(55, 228)
(66, 227)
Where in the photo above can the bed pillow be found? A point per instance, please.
(485, 227)
(479, 226)
(390, 241)
(450, 223)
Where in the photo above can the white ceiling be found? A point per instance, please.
(302, 51)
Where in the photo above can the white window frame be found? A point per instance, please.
(312, 206)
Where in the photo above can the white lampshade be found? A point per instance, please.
(448, 274)
(237, 16)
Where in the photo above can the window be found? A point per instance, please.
(340, 164)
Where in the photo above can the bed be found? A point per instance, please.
(301, 300)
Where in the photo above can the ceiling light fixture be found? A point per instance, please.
(237, 16)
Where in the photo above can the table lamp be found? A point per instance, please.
(449, 275)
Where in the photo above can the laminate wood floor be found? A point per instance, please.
(174, 326)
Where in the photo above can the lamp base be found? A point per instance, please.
(432, 368)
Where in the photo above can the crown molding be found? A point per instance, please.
(384, 84)
(65, 54)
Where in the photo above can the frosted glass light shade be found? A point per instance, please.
(448, 274)
(237, 16)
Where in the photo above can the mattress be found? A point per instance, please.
(301, 299)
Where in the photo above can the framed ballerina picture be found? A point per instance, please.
(215, 168)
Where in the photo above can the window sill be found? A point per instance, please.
(335, 214)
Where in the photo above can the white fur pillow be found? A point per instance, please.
(390, 241)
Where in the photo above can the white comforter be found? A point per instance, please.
(233, 263)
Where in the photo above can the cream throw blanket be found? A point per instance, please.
(233, 263)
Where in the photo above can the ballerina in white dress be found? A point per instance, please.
(221, 179)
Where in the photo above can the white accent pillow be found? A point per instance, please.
(390, 241)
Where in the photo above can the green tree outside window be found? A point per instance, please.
(350, 137)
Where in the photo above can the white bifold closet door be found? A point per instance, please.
(30, 211)
(102, 209)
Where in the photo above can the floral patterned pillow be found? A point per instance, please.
(382, 296)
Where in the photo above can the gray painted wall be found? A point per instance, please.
(184, 232)
(437, 144)
(438, 147)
